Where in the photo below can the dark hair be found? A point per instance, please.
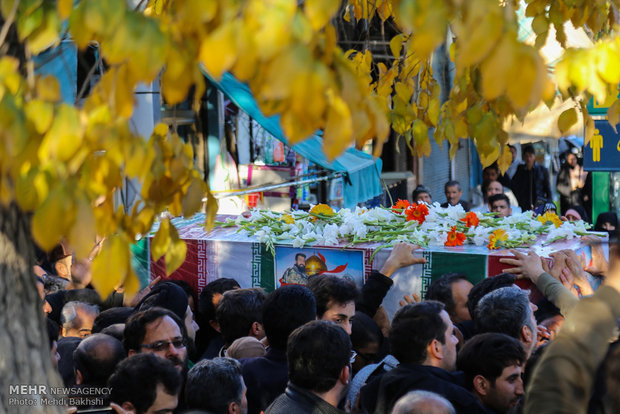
(299, 254)
(420, 190)
(316, 353)
(546, 310)
(213, 384)
(487, 355)
(364, 331)
(497, 197)
(505, 310)
(205, 304)
(493, 166)
(441, 290)
(54, 283)
(189, 291)
(452, 183)
(111, 317)
(528, 149)
(167, 295)
(285, 309)
(329, 288)
(136, 378)
(485, 286)
(96, 358)
(238, 310)
(135, 328)
(414, 326)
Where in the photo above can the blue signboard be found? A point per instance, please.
(602, 153)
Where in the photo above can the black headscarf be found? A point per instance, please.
(608, 217)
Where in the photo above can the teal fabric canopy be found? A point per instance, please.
(362, 172)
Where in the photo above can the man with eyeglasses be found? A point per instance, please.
(160, 332)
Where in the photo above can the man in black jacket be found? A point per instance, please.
(530, 183)
(285, 309)
(319, 369)
(422, 339)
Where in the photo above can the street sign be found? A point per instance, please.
(600, 108)
(602, 153)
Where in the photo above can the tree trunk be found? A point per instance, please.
(24, 346)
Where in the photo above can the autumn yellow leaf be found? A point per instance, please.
(211, 206)
(396, 45)
(525, 84)
(64, 8)
(177, 250)
(112, 265)
(83, 232)
(495, 69)
(52, 219)
(319, 12)
(218, 51)
(64, 136)
(481, 31)
(421, 139)
(161, 241)
(339, 129)
(46, 33)
(40, 114)
(613, 114)
(26, 192)
(567, 119)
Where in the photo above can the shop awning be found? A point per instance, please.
(361, 171)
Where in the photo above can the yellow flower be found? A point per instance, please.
(323, 209)
(496, 238)
(288, 219)
(550, 217)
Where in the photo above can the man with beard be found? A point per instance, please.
(422, 339)
(160, 332)
(492, 364)
(296, 274)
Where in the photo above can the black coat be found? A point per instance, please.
(531, 187)
(297, 400)
(380, 395)
(265, 377)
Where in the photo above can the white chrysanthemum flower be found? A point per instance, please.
(481, 235)
(563, 232)
(330, 235)
(310, 237)
(264, 234)
(437, 238)
(255, 215)
(455, 212)
(361, 231)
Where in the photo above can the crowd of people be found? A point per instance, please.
(329, 347)
(526, 185)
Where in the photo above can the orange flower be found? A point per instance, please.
(470, 219)
(400, 206)
(496, 238)
(323, 209)
(417, 212)
(455, 238)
